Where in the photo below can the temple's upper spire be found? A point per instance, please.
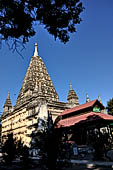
(99, 99)
(71, 86)
(8, 97)
(87, 98)
(36, 52)
(37, 79)
(72, 98)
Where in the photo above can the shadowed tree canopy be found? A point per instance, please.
(9, 149)
(20, 18)
(110, 107)
(0, 128)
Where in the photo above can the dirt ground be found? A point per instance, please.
(72, 167)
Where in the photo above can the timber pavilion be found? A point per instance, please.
(83, 125)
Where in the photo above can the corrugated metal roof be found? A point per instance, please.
(83, 118)
(80, 107)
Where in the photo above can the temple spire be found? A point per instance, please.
(72, 98)
(71, 86)
(8, 97)
(37, 72)
(87, 98)
(7, 105)
(36, 52)
(99, 99)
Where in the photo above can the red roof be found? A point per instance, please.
(80, 107)
(83, 118)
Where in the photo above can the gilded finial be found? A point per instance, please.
(8, 95)
(36, 52)
(71, 86)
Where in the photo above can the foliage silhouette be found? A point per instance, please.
(9, 149)
(110, 107)
(47, 141)
(18, 19)
(22, 151)
(12, 149)
(0, 129)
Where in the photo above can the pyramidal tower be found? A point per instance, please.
(7, 105)
(37, 81)
(72, 97)
(37, 101)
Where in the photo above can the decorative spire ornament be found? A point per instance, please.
(71, 86)
(36, 52)
(99, 99)
(87, 98)
(8, 97)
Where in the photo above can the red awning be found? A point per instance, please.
(88, 117)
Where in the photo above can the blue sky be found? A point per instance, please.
(86, 60)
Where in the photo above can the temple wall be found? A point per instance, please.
(23, 122)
